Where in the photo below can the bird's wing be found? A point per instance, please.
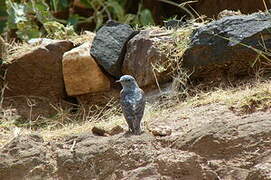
(140, 105)
(127, 109)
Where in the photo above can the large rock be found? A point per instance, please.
(229, 139)
(81, 73)
(108, 47)
(119, 157)
(25, 158)
(229, 42)
(38, 72)
(143, 55)
(36, 75)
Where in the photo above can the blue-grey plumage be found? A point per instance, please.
(132, 102)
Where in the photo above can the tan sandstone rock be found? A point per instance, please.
(81, 73)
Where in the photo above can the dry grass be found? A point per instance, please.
(8, 129)
(246, 98)
(238, 98)
(110, 119)
(174, 50)
(13, 49)
(85, 36)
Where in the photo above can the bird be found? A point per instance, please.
(132, 101)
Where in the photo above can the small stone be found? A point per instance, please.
(115, 130)
(97, 130)
(105, 130)
(161, 131)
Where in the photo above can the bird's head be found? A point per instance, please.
(127, 81)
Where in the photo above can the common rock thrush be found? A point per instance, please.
(132, 102)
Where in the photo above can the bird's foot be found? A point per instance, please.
(138, 132)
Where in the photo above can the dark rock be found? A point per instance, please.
(24, 157)
(229, 40)
(108, 47)
(36, 75)
(143, 54)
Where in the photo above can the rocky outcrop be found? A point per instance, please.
(144, 56)
(36, 75)
(228, 139)
(108, 47)
(127, 158)
(25, 157)
(83, 157)
(222, 146)
(81, 73)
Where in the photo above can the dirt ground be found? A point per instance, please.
(206, 137)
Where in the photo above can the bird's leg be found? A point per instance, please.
(137, 130)
(130, 125)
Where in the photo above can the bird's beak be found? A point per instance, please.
(118, 81)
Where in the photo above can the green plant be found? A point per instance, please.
(59, 5)
(33, 19)
(181, 6)
(3, 15)
(115, 9)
